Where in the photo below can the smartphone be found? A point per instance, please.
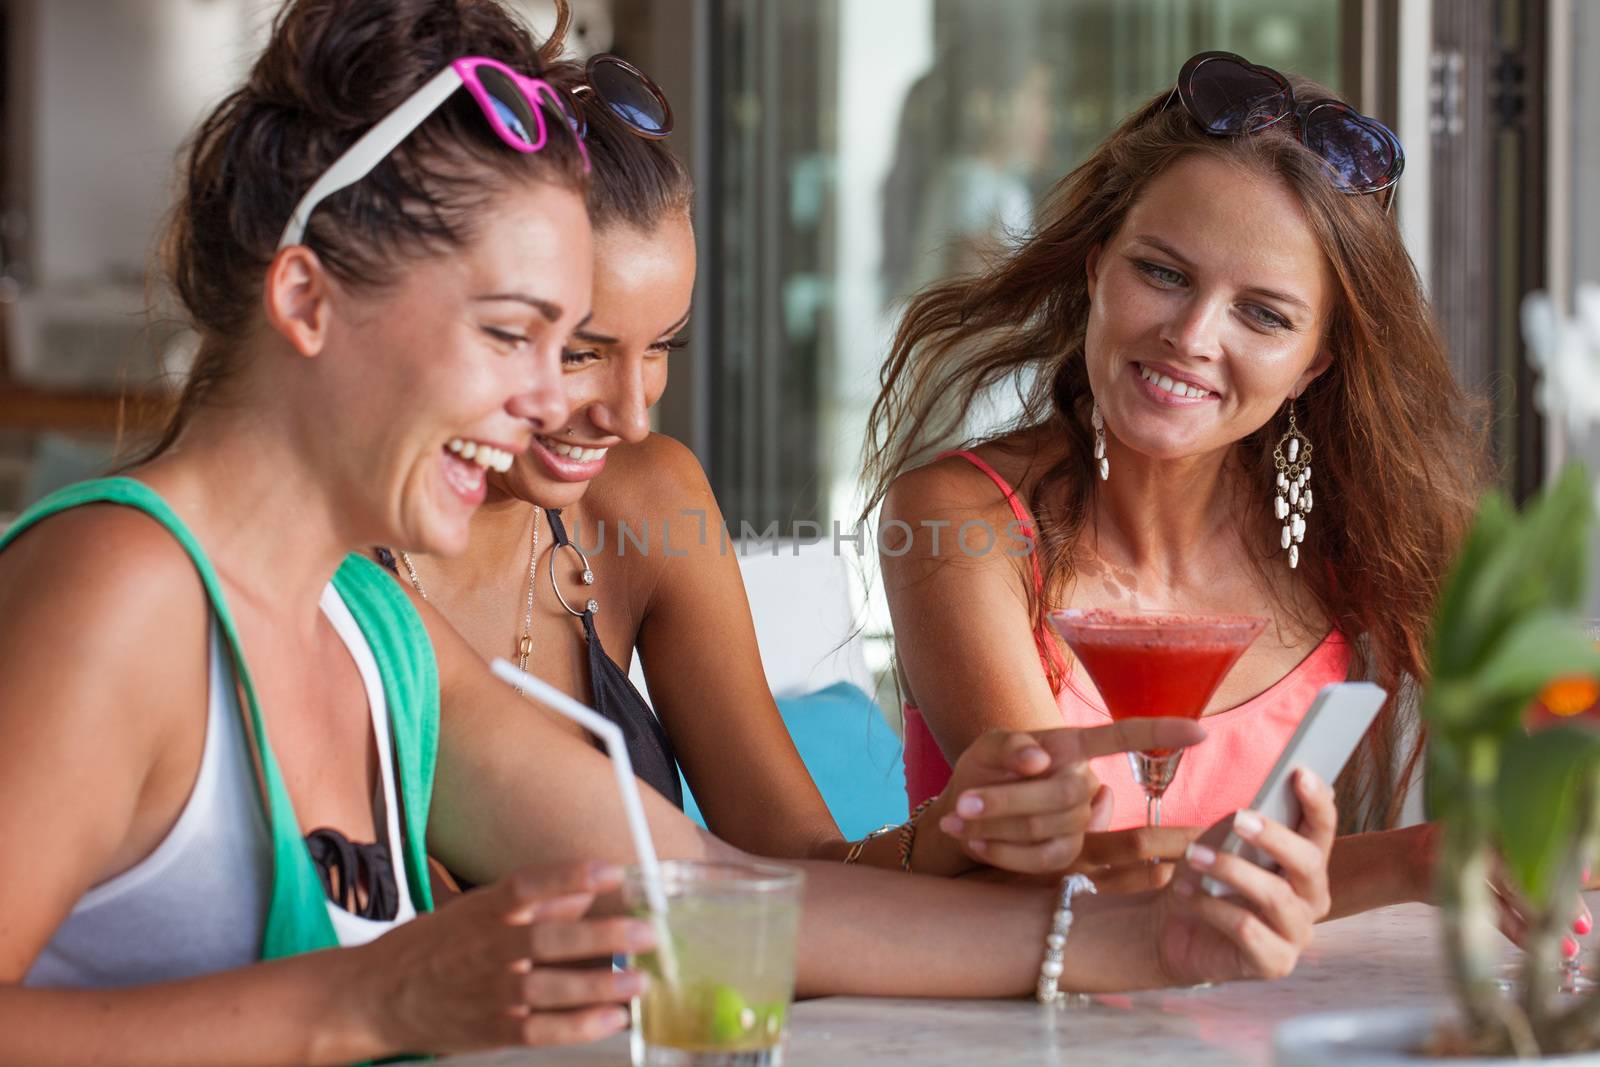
(1326, 738)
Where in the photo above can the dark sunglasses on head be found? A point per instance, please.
(1230, 96)
(628, 93)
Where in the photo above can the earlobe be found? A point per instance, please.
(295, 299)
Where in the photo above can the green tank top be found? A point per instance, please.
(297, 917)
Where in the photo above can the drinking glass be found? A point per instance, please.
(733, 928)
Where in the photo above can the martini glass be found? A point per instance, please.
(1156, 664)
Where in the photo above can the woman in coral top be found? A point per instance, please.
(1217, 276)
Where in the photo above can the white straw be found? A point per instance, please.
(607, 732)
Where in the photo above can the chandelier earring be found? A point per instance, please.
(1291, 497)
(1098, 421)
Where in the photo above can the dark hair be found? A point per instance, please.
(1399, 458)
(635, 180)
(331, 69)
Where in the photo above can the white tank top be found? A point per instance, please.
(198, 903)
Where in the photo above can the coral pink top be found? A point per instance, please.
(1219, 776)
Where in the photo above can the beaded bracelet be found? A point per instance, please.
(908, 834)
(1055, 942)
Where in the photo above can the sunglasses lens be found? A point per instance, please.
(1355, 147)
(1231, 99)
(561, 110)
(510, 106)
(630, 97)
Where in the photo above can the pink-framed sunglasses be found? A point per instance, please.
(516, 107)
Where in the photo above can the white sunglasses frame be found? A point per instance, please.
(371, 149)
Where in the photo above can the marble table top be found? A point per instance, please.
(1382, 959)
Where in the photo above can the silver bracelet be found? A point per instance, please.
(1055, 942)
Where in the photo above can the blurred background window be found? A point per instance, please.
(863, 150)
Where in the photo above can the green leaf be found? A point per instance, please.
(1455, 643)
(1561, 529)
(1495, 698)
(1535, 652)
(1442, 783)
(1547, 554)
(1511, 567)
(1538, 792)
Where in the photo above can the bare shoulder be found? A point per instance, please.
(951, 484)
(99, 556)
(955, 510)
(103, 620)
(659, 475)
(955, 486)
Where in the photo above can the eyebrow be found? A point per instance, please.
(602, 339)
(1270, 294)
(549, 309)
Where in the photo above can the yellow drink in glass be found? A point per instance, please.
(733, 928)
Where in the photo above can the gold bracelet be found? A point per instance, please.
(908, 834)
(856, 846)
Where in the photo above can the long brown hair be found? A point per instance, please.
(331, 69)
(1399, 458)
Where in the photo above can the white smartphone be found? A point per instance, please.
(1326, 738)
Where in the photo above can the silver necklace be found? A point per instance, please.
(525, 645)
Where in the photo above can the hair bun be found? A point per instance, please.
(349, 62)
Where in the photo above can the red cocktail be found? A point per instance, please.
(1156, 664)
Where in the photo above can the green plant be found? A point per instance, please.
(1515, 800)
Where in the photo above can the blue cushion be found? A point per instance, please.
(852, 754)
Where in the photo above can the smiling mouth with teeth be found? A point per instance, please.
(1167, 385)
(573, 452)
(486, 456)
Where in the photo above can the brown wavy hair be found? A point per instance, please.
(1399, 446)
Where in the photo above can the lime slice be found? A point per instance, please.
(731, 1017)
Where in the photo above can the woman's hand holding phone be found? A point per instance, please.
(1259, 928)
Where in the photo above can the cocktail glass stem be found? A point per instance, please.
(1154, 773)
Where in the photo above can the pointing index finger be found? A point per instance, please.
(1129, 735)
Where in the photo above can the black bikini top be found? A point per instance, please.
(357, 877)
(615, 697)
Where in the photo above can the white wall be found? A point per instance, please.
(120, 84)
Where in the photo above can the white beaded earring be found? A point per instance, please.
(1291, 498)
(1099, 423)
